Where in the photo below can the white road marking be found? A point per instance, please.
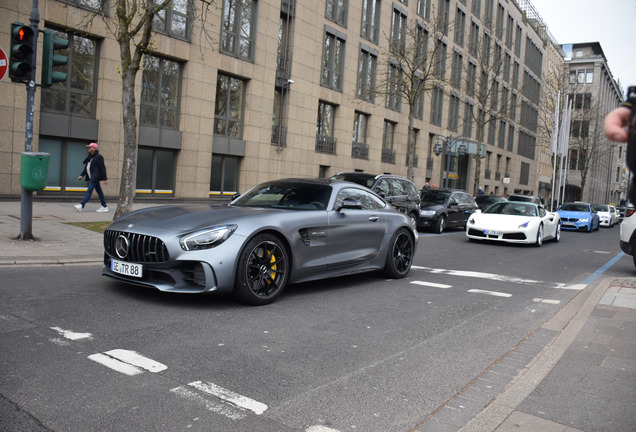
(492, 293)
(431, 284)
(320, 428)
(127, 362)
(138, 360)
(209, 405)
(115, 364)
(71, 335)
(229, 396)
(538, 300)
(501, 278)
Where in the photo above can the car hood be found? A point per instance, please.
(574, 214)
(431, 206)
(501, 222)
(189, 217)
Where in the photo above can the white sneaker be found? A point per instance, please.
(78, 207)
(102, 209)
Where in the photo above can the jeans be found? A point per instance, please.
(94, 185)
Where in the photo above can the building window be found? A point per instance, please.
(489, 13)
(394, 95)
(367, 66)
(224, 175)
(471, 78)
(453, 113)
(460, 27)
(388, 135)
(228, 110)
(325, 126)
(437, 106)
(421, 46)
(509, 31)
(443, 15)
(473, 42)
(456, 73)
(440, 59)
(371, 20)
(476, 8)
(65, 162)
(518, 40)
(418, 107)
(515, 74)
(238, 28)
(155, 171)
(398, 31)
(511, 138)
(501, 143)
(75, 96)
(424, 8)
(337, 11)
(524, 177)
(468, 120)
(499, 26)
(589, 76)
(333, 55)
(360, 148)
(94, 5)
(174, 20)
(160, 84)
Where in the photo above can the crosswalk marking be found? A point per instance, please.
(127, 362)
(229, 396)
(492, 293)
(432, 284)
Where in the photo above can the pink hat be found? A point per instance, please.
(93, 145)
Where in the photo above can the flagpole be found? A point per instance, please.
(554, 146)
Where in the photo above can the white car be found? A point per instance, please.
(606, 215)
(514, 222)
(627, 233)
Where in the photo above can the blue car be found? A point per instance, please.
(579, 216)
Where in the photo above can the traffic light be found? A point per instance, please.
(21, 61)
(51, 60)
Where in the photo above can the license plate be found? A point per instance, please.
(568, 223)
(493, 233)
(126, 268)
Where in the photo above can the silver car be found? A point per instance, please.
(279, 232)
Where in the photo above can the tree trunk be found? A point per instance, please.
(129, 164)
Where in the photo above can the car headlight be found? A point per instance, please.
(524, 225)
(207, 238)
(427, 213)
(471, 221)
(584, 220)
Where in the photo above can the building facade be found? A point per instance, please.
(255, 90)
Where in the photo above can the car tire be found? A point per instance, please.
(634, 259)
(557, 234)
(440, 224)
(263, 270)
(399, 257)
(539, 241)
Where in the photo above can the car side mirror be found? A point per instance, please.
(350, 204)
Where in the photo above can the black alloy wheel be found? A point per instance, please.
(400, 255)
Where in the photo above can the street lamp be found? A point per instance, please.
(447, 146)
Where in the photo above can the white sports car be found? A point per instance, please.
(514, 222)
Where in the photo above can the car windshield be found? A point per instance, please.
(487, 199)
(286, 196)
(365, 180)
(512, 209)
(575, 207)
(600, 207)
(435, 196)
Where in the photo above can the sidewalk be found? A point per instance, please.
(576, 373)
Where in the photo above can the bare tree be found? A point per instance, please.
(414, 63)
(486, 73)
(132, 25)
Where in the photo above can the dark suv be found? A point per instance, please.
(398, 191)
(445, 208)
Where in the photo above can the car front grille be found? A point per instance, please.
(141, 248)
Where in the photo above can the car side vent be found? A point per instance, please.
(139, 248)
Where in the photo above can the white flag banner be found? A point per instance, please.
(555, 126)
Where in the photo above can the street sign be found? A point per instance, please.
(3, 64)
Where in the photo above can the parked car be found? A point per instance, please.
(621, 212)
(515, 222)
(617, 214)
(579, 216)
(628, 233)
(279, 232)
(484, 201)
(445, 208)
(525, 198)
(398, 191)
(606, 214)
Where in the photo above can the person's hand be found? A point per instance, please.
(79, 178)
(615, 123)
(105, 182)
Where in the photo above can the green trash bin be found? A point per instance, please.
(34, 170)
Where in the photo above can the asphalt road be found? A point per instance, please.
(81, 352)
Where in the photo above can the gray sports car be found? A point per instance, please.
(279, 232)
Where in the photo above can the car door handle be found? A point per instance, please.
(374, 218)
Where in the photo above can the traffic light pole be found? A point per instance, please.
(26, 203)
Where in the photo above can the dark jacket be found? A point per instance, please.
(98, 169)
